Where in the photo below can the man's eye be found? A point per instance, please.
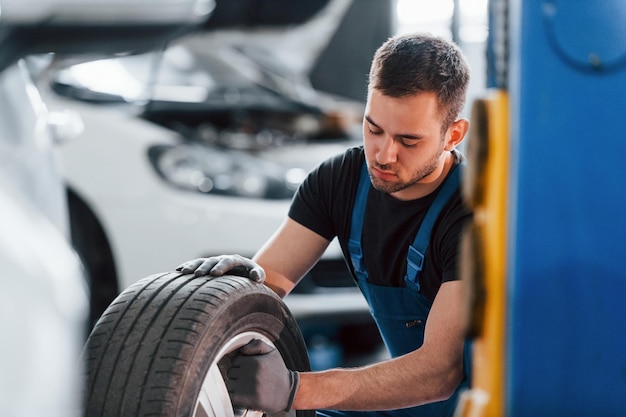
(374, 132)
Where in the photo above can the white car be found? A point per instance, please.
(43, 302)
(202, 159)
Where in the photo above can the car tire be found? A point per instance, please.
(157, 350)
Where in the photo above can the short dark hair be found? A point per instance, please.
(412, 63)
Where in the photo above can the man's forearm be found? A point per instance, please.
(392, 384)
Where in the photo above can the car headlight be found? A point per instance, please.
(211, 170)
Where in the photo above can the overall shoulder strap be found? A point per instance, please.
(356, 224)
(417, 250)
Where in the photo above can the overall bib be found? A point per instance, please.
(401, 312)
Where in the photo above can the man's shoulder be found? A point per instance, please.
(352, 155)
(343, 163)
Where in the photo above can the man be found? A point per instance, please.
(376, 200)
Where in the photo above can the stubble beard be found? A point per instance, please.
(418, 175)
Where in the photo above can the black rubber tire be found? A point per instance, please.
(149, 353)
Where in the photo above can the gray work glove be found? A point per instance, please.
(258, 379)
(220, 265)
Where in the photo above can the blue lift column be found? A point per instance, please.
(566, 270)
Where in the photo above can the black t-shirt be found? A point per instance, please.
(324, 203)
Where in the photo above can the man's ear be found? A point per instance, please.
(456, 133)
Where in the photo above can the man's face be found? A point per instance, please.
(404, 146)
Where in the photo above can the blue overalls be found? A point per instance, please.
(400, 312)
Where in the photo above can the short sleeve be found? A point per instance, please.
(322, 203)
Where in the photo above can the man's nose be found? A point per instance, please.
(388, 152)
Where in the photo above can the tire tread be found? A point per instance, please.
(139, 353)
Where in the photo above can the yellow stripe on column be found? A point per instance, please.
(486, 190)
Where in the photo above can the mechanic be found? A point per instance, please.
(395, 205)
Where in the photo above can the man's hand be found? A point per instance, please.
(220, 265)
(259, 380)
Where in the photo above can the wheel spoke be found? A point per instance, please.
(213, 398)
